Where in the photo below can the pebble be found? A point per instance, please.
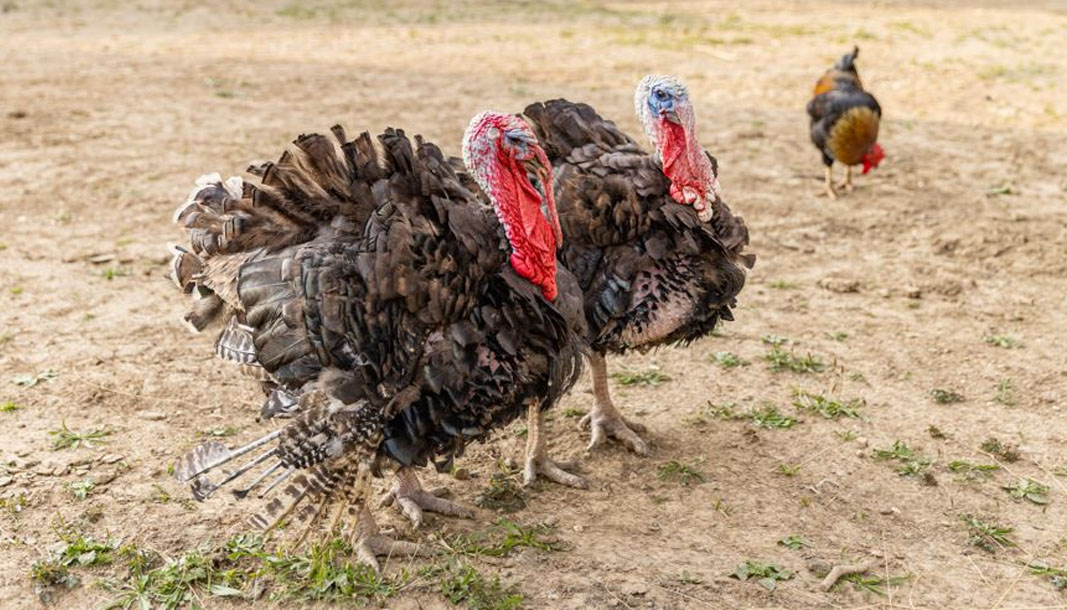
(111, 458)
(862, 441)
(5, 481)
(635, 588)
(461, 474)
(579, 528)
(892, 510)
(152, 415)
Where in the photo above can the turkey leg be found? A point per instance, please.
(605, 420)
(537, 460)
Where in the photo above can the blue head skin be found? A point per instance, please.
(659, 98)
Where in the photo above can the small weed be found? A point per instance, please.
(28, 381)
(113, 272)
(1007, 452)
(218, 432)
(829, 408)
(846, 435)
(987, 536)
(783, 285)
(935, 432)
(572, 412)
(765, 416)
(1060, 471)
(652, 377)
(501, 539)
(683, 473)
(789, 470)
(1003, 341)
(973, 472)
(1005, 394)
(768, 416)
(503, 492)
(462, 583)
(944, 397)
(874, 584)
(688, 579)
(17, 290)
(65, 438)
(728, 360)
(1056, 576)
(838, 336)
(912, 463)
(159, 495)
(1028, 489)
(781, 360)
(8, 406)
(794, 542)
(6, 338)
(80, 490)
(13, 505)
(766, 575)
(774, 340)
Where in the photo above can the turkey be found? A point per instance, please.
(658, 254)
(444, 319)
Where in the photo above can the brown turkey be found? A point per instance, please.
(658, 254)
(444, 318)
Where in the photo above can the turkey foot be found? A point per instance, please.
(366, 539)
(412, 499)
(370, 544)
(537, 460)
(604, 420)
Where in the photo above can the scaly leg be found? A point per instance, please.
(605, 420)
(830, 192)
(412, 499)
(846, 184)
(537, 460)
(366, 539)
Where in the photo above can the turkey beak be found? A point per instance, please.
(671, 116)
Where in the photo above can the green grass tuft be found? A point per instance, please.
(829, 408)
(767, 575)
(781, 360)
(65, 438)
(680, 472)
(944, 397)
(652, 377)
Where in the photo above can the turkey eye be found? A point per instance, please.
(661, 94)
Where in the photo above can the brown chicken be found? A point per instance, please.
(844, 122)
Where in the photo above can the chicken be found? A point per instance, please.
(844, 122)
(658, 254)
(447, 318)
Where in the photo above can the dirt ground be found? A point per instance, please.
(946, 269)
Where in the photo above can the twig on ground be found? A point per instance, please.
(838, 572)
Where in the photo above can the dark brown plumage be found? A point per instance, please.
(401, 342)
(651, 271)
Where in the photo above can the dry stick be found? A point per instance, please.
(977, 569)
(617, 598)
(142, 397)
(838, 572)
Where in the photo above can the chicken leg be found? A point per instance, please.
(846, 184)
(537, 460)
(829, 191)
(605, 420)
(412, 499)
